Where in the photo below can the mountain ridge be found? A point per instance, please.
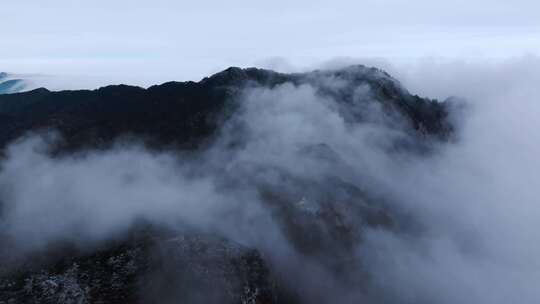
(155, 111)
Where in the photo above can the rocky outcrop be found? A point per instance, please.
(196, 269)
(9, 85)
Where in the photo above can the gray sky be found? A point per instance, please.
(151, 41)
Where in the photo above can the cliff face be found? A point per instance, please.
(322, 218)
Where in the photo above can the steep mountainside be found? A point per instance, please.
(290, 216)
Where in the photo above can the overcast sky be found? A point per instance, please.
(153, 41)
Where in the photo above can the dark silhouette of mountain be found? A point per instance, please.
(183, 113)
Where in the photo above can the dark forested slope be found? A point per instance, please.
(182, 113)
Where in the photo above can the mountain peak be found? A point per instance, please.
(236, 75)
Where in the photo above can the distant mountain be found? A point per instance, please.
(9, 85)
